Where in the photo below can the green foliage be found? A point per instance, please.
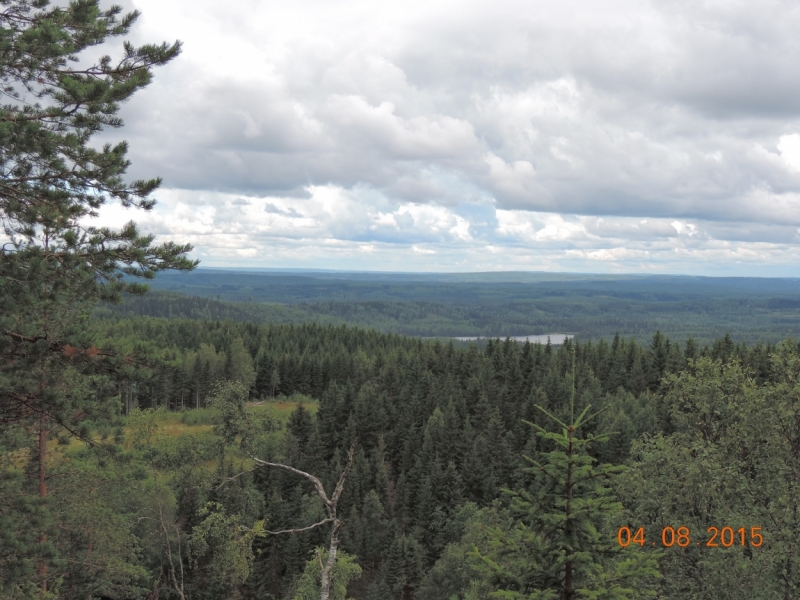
(250, 427)
(98, 514)
(460, 573)
(97, 508)
(240, 365)
(732, 460)
(55, 176)
(561, 544)
(201, 416)
(440, 428)
(345, 570)
(441, 434)
(57, 265)
(629, 417)
(224, 544)
(54, 266)
(20, 516)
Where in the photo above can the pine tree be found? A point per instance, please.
(57, 265)
(54, 178)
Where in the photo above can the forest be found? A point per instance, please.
(300, 442)
(486, 304)
(459, 478)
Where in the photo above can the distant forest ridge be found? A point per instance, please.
(472, 276)
(214, 276)
(485, 304)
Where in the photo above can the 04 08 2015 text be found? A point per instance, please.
(724, 537)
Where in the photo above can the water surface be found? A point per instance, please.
(555, 338)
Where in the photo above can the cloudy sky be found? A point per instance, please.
(435, 135)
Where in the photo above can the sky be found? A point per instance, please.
(592, 136)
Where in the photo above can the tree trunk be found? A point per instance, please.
(325, 576)
(89, 549)
(788, 594)
(42, 566)
(569, 586)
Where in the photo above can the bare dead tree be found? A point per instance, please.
(330, 507)
(231, 399)
(175, 580)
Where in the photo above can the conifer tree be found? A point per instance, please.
(53, 180)
(274, 382)
(561, 546)
(691, 351)
(659, 353)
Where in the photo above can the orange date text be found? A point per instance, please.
(681, 537)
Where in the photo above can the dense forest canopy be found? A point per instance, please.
(442, 432)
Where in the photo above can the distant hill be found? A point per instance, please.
(486, 304)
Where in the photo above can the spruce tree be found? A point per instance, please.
(561, 545)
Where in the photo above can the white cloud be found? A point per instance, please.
(300, 130)
(335, 228)
(789, 147)
(517, 178)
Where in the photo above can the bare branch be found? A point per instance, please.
(229, 479)
(317, 483)
(301, 529)
(24, 338)
(340, 485)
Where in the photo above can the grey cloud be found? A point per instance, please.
(271, 208)
(743, 232)
(659, 110)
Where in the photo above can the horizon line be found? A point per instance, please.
(496, 272)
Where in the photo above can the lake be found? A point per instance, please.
(555, 338)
